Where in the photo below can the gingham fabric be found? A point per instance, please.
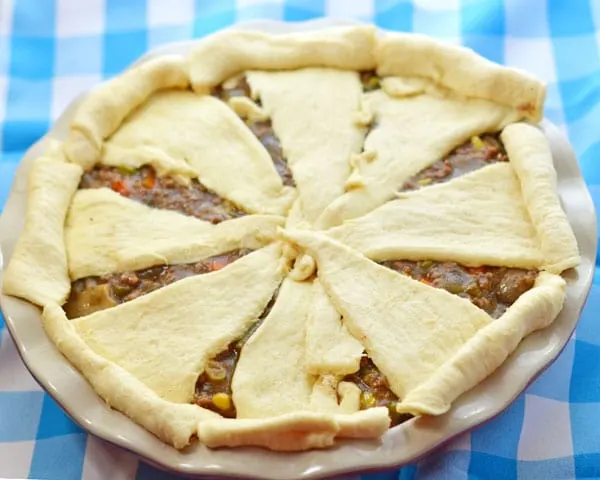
(52, 50)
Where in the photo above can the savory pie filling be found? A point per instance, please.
(91, 294)
(476, 153)
(262, 129)
(370, 80)
(213, 387)
(145, 186)
(375, 390)
(492, 289)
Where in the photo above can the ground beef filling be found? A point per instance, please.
(492, 289)
(213, 387)
(262, 129)
(375, 390)
(471, 155)
(91, 294)
(145, 186)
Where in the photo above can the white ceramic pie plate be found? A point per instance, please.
(400, 445)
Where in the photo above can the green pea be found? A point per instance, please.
(395, 417)
(454, 287)
(126, 169)
(373, 83)
(426, 264)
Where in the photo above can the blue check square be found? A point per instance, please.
(78, 55)
(32, 58)
(59, 457)
(483, 18)
(122, 49)
(19, 415)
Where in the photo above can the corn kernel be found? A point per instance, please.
(367, 400)
(477, 142)
(222, 401)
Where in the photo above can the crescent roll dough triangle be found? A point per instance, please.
(476, 219)
(101, 113)
(488, 348)
(165, 337)
(204, 131)
(107, 233)
(313, 112)
(330, 349)
(270, 378)
(409, 135)
(174, 423)
(274, 376)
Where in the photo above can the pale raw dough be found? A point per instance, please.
(294, 431)
(349, 396)
(38, 268)
(233, 51)
(106, 232)
(460, 69)
(531, 158)
(271, 377)
(312, 111)
(408, 329)
(247, 109)
(324, 395)
(101, 112)
(304, 268)
(488, 348)
(174, 423)
(477, 219)
(165, 337)
(205, 132)
(410, 134)
(330, 349)
(291, 432)
(295, 216)
(136, 157)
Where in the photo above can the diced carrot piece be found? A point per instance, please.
(218, 264)
(120, 187)
(476, 270)
(149, 181)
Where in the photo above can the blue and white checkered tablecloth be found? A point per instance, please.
(50, 50)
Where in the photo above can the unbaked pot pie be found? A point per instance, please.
(285, 240)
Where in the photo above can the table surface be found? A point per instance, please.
(51, 50)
